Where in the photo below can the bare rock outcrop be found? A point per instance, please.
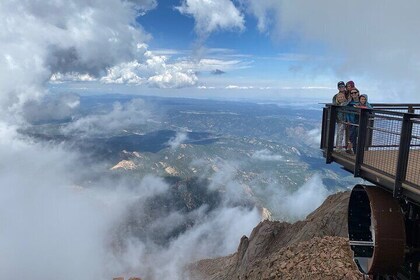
(315, 248)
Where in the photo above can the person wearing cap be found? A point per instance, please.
(341, 88)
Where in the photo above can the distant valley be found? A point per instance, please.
(259, 146)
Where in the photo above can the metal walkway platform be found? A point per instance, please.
(387, 145)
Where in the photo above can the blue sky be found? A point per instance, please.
(172, 29)
(265, 57)
(234, 49)
(246, 59)
(265, 50)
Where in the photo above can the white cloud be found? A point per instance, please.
(264, 11)
(224, 177)
(51, 108)
(206, 87)
(211, 63)
(266, 155)
(179, 138)
(122, 116)
(150, 186)
(292, 205)
(238, 87)
(169, 52)
(160, 71)
(153, 71)
(40, 38)
(294, 57)
(212, 15)
(144, 5)
(126, 72)
(51, 226)
(227, 224)
(314, 137)
(173, 79)
(71, 76)
(55, 225)
(378, 44)
(161, 68)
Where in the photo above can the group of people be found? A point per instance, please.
(348, 95)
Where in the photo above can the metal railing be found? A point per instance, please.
(381, 145)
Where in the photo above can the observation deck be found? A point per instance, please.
(382, 146)
(387, 146)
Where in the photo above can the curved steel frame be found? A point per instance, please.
(387, 154)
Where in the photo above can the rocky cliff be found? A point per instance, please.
(315, 248)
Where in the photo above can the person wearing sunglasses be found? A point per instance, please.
(353, 120)
(354, 97)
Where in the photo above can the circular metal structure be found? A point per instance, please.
(376, 230)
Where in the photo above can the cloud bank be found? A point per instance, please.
(215, 232)
(151, 70)
(122, 116)
(58, 214)
(68, 41)
(52, 228)
(372, 40)
(293, 205)
(51, 108)
(57, 211)
(42, 38)
(61, 218)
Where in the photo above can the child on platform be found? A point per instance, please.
(341, 88)
(341, 118)
(363, 102)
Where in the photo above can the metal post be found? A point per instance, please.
(361, 140)
(323, 130)
(410, 109)
(369, 135)
(331, 133)
(403, 153)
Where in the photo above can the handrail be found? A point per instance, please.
(379, 110)
(386, 142)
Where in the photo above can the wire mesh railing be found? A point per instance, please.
(385, 140)
(413, 166)
(403, 108)
(384, 130)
